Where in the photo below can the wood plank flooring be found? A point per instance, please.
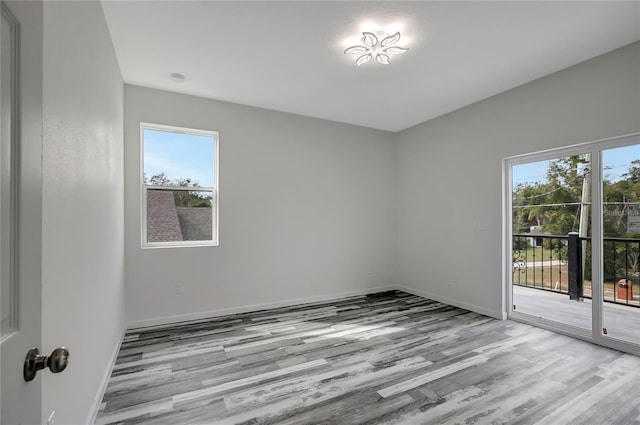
(388, 358)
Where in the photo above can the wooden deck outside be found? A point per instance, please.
(621, 322)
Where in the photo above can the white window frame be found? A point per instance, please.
(215, 197)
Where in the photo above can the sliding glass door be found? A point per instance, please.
(552, 218)
(572, 226)
(621, 243)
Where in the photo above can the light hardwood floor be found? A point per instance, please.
(388, 358)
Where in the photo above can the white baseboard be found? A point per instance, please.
(477, 309)
(193, 317)
(95, 407)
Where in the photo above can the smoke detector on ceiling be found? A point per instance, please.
(178, 78)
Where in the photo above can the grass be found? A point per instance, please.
(540, 254)
(547, 277)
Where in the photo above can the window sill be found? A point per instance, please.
(161, 245)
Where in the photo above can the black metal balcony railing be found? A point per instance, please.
(556, 264)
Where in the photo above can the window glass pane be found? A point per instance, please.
(179, 215)
(178, 159)
(621, 243)
(8, 282)
(550, 200)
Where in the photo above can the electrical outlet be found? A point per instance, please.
(179, 289)
(52, 419)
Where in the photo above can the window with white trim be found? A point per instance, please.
(179, 183)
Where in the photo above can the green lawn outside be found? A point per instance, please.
(540, 254)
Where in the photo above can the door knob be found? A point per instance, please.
(56, 362)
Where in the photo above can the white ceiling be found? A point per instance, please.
(288, 56)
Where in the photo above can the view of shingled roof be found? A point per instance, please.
(162, 218)
(168, 223)
(195, 223)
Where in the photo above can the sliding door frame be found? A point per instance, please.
(595, 149)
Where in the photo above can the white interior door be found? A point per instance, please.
(20, 208)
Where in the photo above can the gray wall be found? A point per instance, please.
(305, 212)
(448, 185)
(83, 222)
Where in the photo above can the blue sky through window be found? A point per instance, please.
(616, 162)
(179, 156)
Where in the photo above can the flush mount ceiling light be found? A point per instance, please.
(372, 49)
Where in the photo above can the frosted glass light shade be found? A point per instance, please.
(382, 58)
(356, 50)
(395, 50)
(369, 39)
(363, 59)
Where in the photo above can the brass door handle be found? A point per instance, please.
(56, 362)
